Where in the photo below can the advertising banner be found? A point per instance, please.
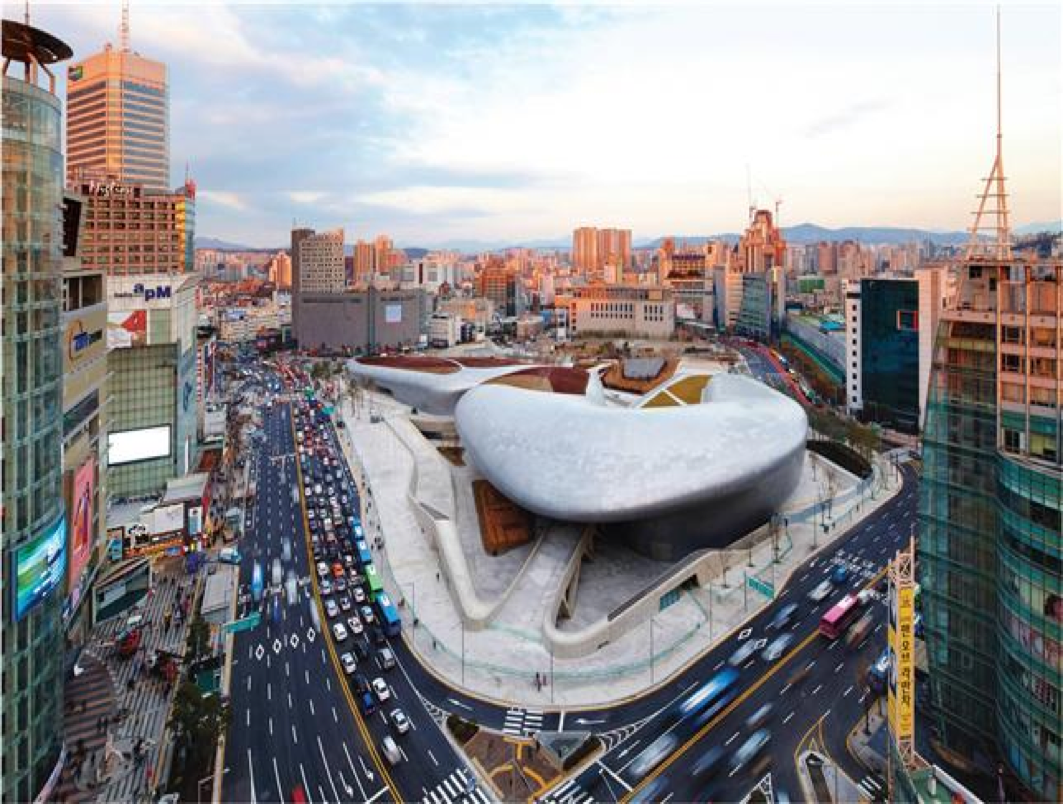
(83, 339)
(167, 519)
(127, 328)
(393, 314)
(901, 639)
(130, 446)
(81, 504)
(39, 567)
(195, 520)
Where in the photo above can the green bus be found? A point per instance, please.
(372, 580)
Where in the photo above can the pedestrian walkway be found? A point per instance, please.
(89, 700)
(523, 722)
(128, 759)
(456, 789)
(568, 793)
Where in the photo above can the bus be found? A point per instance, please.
(372, 580)
(365, 558)
(839, 618)
(711, 697)
(256, 582)
(389, 615)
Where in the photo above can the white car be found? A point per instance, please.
(821, 592)
(331, 609)
(776, 647)
(401, 722)
(380, 687)
(322, 569)
(744, 652)
(355, 625)
(339, 631)
(349, 663)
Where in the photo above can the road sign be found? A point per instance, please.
(245, 624)
(757, 585)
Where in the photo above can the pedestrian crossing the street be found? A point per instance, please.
(523, 722)
(456, 789)
(568, 793)
(874, 789)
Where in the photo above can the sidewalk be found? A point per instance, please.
(136, 701)
(501, 660)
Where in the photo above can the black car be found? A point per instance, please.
(360, 650)
(378, 636)
(361, 683)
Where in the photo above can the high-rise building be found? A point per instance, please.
(298, 235)
(364, 262)
(593, 249)
(85, 406)
(499, 284)
(131, 229)
(118, 118)
(759, 260)
(33, 540)
(382, 248)
(991, 507)
(279, 270)
(321, 263)
(584, 250)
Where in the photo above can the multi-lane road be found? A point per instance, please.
(295, 725)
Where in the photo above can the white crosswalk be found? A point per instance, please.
(523, 722)
(456, 789)
(568, 793)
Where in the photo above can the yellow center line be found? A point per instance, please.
(733, 705)
(362, 728)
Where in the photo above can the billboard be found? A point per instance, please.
(39, 567)
(901, 640)
(393, 313)
(130, 446)
(80, 507)
(168, 519)
(127, 328)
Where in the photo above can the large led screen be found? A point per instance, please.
(80, 508)
(39, 567)
(138, 445)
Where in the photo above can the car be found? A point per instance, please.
(380, 687)
(783, 617)
(326, 587)
(821, 592)
(400, 721)
(359, 593)
(331, 609)
(355, 625)
(229, 555)
(760, 717)
(340, 585)
(361, 683)
(349, 663)
(367, 614)
(777, 647)
(337, 570)
(799, 675)
(386, 657)
(653, 754)
(361, 651)
(367, 703)
(310, 514)
(317, 489)
(709, 763)
(745, 651)
(840, 574)
(859, 631)
(345, 603)
(378, 636)
(390, 750)
(754, 744)
(339, 631)
(322, 569)
(865, 596)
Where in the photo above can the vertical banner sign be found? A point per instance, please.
(901, 635)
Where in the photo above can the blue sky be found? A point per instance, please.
(511, 123)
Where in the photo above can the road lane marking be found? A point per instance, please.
(817, 689)
(271, 726)
(311, 702)
(784, 689)
(269, 691)
(847, 691)
(604, 767)
(787, 718)
(328, 769)
(432, 757)
(289, 700)
(718, 666)
(732, 738)
(839, 667)
(295, 737)
(251, 775)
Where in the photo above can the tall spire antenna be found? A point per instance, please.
(994, 198)
(123, 32)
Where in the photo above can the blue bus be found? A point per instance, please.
(256, 582)
(710, 698)
(359, 534)
(389, 615)
(364, 556)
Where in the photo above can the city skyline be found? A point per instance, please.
(522, 123)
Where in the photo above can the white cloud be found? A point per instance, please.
(223, 198)
(306, 196)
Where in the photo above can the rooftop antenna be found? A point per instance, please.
(749, 195)
(27, 13)
(994, 199)
(123, 30)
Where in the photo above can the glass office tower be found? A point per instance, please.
(34, 528)
(990, 524)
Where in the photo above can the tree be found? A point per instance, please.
(198, 640)
(196, 722)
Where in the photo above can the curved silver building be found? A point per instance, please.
(667, 480)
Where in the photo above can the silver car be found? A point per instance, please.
(821, 592)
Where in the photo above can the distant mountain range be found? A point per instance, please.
(802, 233)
